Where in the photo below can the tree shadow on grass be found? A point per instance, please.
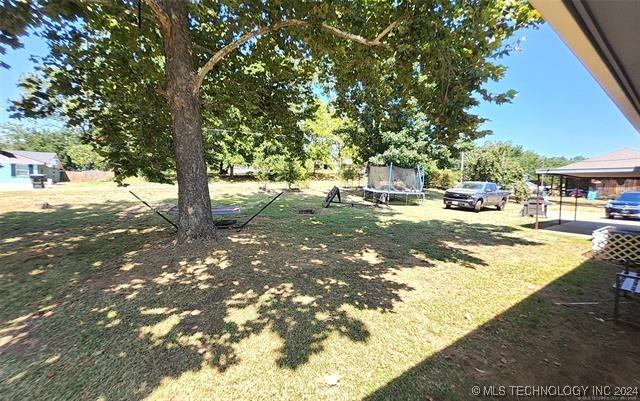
(97, 301)
(537, 342)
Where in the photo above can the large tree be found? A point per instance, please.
(436, 52)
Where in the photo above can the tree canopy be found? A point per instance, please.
(106, 71)
(146, 81)
(507, 164)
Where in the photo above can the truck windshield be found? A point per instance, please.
(471, 185)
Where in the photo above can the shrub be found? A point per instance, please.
(291, 172)
(349, 173)
(520, 191)
(266, 166)
(443, 179)
(495, 163)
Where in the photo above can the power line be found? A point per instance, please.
(232, 130)
(238, 131)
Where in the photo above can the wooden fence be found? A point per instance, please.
(84, 176)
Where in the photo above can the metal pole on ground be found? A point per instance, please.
(538, 201)
(561, 191)
(156, 212)
(575, 205)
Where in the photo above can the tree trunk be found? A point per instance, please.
(195, 222)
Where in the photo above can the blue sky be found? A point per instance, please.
(560, 109)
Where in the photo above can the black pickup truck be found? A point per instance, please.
(476, 195)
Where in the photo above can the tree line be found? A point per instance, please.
(329, 150)
(67, 143)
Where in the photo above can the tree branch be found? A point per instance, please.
(161, 16)
(203, 48)
(386, 30)
(220, 54)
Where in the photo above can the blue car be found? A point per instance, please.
(626, 205)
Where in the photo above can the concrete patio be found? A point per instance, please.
(587, 226)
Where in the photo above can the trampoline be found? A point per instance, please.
(384, 182)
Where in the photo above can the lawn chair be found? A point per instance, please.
(627, 285)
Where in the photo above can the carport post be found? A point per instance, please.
(575, 206)
(561, 190)
(538, 201)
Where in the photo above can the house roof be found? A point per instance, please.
(46, 158)
(623, 163)
(11, 158)
(604, 36)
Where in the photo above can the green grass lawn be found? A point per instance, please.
(405, 303)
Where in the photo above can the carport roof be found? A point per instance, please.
(624, 163)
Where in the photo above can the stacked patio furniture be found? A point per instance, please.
(535, 205)
(621, 246)
(627, 286)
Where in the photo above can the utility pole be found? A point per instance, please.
(462, 166)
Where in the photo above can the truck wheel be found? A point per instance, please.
(502, 205)
(447, 206)
(478, 206)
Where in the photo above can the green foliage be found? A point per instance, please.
(273, 162)
(509, 163)
(520, 191)
(494, 162)
(443, 178)
(105, 73)
(403, 149)
(421, 97)
(66, 143)
(405, 139)
(18, 137)
(349, 173)
(17, 18)
(84, 157)
(530, 160)
(280, 168)
(291, 171)
(265, 161)
(324, 144)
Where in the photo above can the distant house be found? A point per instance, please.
(16, 166)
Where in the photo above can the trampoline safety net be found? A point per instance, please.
(394, 180)
(378, 178)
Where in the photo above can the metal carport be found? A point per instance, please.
(624, 163)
